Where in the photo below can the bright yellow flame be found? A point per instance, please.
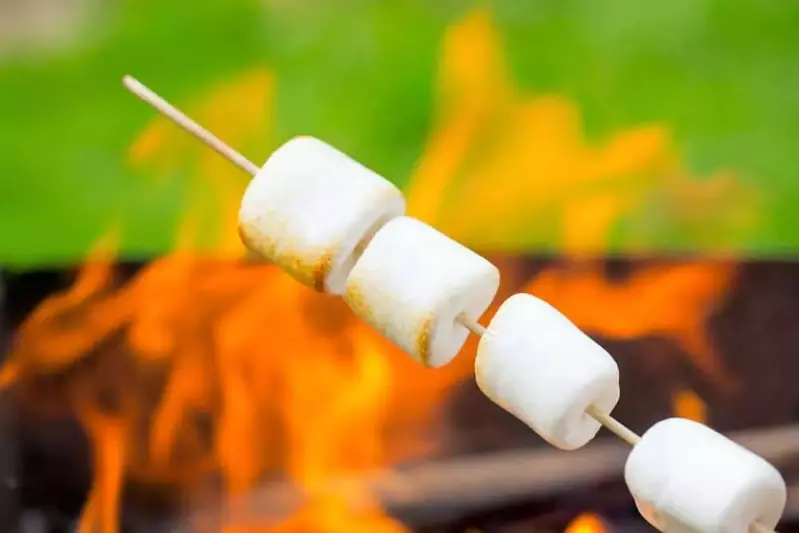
(509, 171)
(586, 523)
(687, 404)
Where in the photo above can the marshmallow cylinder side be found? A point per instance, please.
(311, 207)
(685, 477)
(412, 282)
(536, 364)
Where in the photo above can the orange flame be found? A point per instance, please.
(531, 178)
(688, 404)
(586, 523)
(65, 344)
(287, 379)
(670, 301)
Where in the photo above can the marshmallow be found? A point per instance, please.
(310, 208)
(685, 477)
(412, 282)
(533, 362)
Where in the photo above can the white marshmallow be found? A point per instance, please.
(412, 282)
(310, 206)
(685, 477)
(533, 362)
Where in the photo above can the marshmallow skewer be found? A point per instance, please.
(613, 425)
(182, 120)
(650, 451)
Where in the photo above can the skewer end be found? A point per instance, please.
(132, 84)
(168, 110)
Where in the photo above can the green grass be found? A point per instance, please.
(723, 74)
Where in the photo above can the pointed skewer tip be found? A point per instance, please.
(128, 81)
(182, 120)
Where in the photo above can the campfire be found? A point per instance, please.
(203, 374)
(206, 372)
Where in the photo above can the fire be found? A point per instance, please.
(200, 367)
(531, 178)
(206, 365)
(688, 404)
(673, 301)
(66, 344)
(587, 523)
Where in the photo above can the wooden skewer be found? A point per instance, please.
(182, 120)
(613, 425)
(472, 325)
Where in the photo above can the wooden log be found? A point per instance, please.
(9, 456)
(449, 489)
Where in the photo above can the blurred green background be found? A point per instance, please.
(612, 126)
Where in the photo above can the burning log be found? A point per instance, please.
(450, 489)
